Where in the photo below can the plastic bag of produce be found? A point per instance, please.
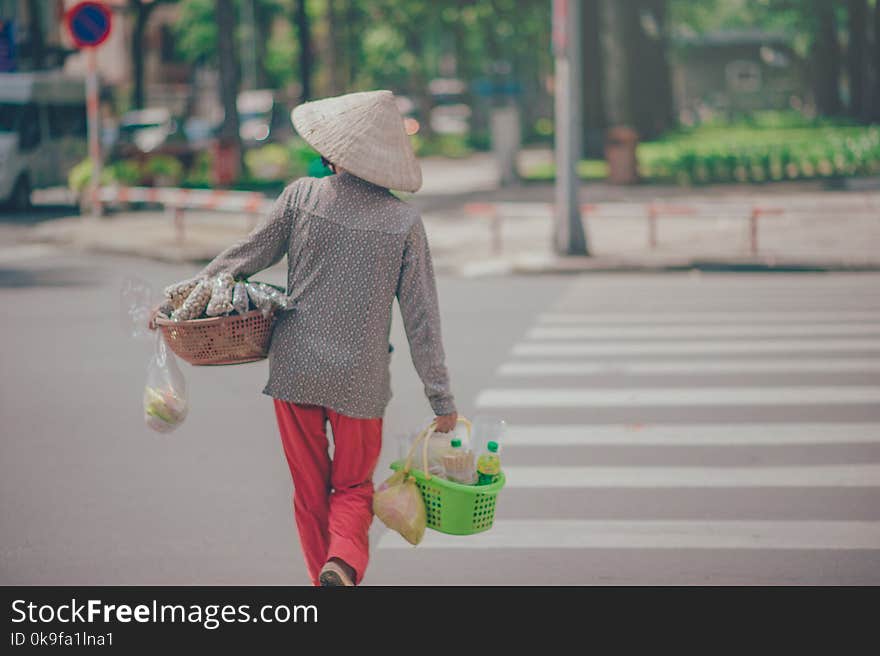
(221, 295)
(267, 299)
(240, 298)
(195, 303)
(177, 293)
(165, 398)
(259, 298)
(399, 504)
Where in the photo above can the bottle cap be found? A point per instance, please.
(492, 446)
(456, 442)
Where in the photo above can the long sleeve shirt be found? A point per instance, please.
(351, 248)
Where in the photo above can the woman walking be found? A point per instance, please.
(351, 247)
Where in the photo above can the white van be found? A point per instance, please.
(43, 132)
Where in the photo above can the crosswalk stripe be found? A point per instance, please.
(691, 434)
(731, 366)
(655, 534)
(675, 396)
(689, 318)
(862, 475)
(620, 332)
(661, 347)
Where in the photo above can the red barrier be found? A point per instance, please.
(250, 203)
(756, 213)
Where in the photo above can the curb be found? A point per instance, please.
(63, 236)
(524, 266)
(579, 265)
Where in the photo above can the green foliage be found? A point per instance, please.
(199, 175)
(282, 51)
(768, 147)
(196, 31)
(269, 162)
(80, 176)
(164, 166)
(588, 169)
(444, 145)
(124, 172)
(284, 162)
(196, 35)
(794, 18)
(303, 158)
(744, 154)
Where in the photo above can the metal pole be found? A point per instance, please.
(652, 226)
(94, 127)
(569, 230)
(495, 230)
(753, 230)
(250, 58)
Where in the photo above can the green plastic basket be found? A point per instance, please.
(454, 508)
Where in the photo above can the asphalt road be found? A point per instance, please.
(663, 429)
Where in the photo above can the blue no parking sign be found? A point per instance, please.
(88, 24)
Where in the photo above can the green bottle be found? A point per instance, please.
(488, 465)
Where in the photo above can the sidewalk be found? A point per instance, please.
(823, 231)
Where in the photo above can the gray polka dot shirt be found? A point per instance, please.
(351, 247)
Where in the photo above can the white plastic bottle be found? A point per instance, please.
(458, 465)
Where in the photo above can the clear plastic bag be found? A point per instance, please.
(180, 291)
(135, 303)
(195, 303)
(279, 299)
(399, 504)
(440, 444)
(221, 295)
(240, 298)
(267, 299)
(165, 398)
(488, 429)
(259, 298)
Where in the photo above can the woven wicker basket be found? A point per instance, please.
(234, 339)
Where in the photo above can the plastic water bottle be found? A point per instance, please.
(489, 465)
(459, 464)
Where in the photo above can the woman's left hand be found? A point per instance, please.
(446, 423)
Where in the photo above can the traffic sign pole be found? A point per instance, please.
(88, 24)
(94, 119)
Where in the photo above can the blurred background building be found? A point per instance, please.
(187, 73)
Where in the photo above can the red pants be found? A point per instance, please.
(332, 500)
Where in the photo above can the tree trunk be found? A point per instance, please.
(875, 85)
(304, 34)
(418, 80)
(227, 51)
(650, 76)
(826, 60)
(36, 40)
(332, 49)
(263, 25)
(141, 16)
(592, 88)
(616, 48)
(352, 41)
(856, 58)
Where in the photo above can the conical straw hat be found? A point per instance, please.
(364, 134)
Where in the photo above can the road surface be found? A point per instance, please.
(664, 429)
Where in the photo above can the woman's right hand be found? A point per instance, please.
(151, 322)
(446, 423)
